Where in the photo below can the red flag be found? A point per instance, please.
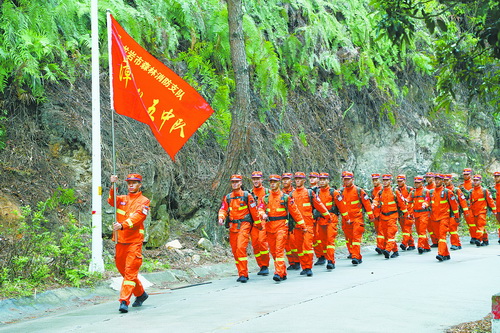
(148, 91)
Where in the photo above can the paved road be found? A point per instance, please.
(412, 293)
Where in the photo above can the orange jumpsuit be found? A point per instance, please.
(241, 214)
(480, 199)
(258, 237)
(443, 205)
(291, 247)
(352, 221)
(405, 222)
(497, 188)
(467, 186)
(433, 234)
(454, 237)
(390, 203)
(277, 206)
(304, 240)
(376, 222)
(327, 230)
(421, 215)
(131, 211)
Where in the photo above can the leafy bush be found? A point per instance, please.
(36, 253)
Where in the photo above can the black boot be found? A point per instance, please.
(140, 299)
(263, 271)
(123, 307)
(330, 265)
(321, 261)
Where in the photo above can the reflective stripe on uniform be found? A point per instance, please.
(380, 236)
(354, 202)
(128, 283)
(442, 241)
(279, 259)
(330, 246)
(121, 212)
(281, 209)
(130, 224)
(141, 231)
(243, 259)
(356, 243)
(306, 204)
(242, 207)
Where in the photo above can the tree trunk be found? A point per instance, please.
(240, 110)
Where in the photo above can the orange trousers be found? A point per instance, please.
(389, 229)
(454, 237)
(304, 241)
(406, 230)
(480, 222)
(318, 245)
(277, 242)
(327, 234)
(380, 234)
(433, 234)
(471, 224)
(239, 242)
(421, 223)
(260, 246)
(443, 227)
(291, 249)
(354, 233)
(498, 220)
(128, 260)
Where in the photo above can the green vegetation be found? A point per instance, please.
(291, 45)
(37, 254)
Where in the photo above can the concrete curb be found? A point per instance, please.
(13, 310)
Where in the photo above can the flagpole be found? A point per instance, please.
(97, 263)
(112, 108)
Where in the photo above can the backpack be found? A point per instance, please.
(247, 218)
(284, 198)
(358, 189)
(395, 200)
(424, 194)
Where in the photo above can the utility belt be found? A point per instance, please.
(389, 213)
(247, 218)
(421, 210)
(276, 218)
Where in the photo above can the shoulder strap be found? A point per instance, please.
(266, 198)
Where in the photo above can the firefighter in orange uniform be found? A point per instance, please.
(317, 245)
(496, 175)
(275, 208)
(377, 187)
(327, 230)
(431, 184)
(406, 223)
(480, 200)
(241, 208)
(466, 188)
(290, 247)
(418, 207)
(286, 181)
(443, 205)
(313, 181)
(467, 184)
(131, 211)
(390, 202)
(258, 237)
(306, 200)
(463, 206)
(355, 199)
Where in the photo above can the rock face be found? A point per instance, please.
(329, 131)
